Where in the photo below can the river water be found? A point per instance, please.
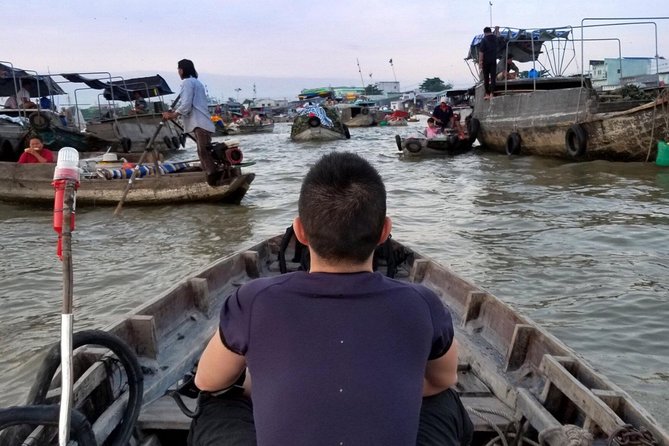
(581, 248)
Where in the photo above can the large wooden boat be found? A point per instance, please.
(31, 183)
(516, 379)
(565, 117)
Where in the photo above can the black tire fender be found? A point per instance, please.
(473, 127)
(413, 145)
(175, 142)
(347, 133)
(364, 111)
(314, 121)
(182, 140)
(168, 141)
(39, 121)
(513, 144)
(398, 141)
(576, 141)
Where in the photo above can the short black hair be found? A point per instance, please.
(342, 207)
(487, 29)
(188, 68)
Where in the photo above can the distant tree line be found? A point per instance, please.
(434, 84)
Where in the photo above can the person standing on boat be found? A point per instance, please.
(488, 60)
(338, 354)
(36, 153)
(194, 113)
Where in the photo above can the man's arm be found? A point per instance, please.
(219, 367)
(441, 373)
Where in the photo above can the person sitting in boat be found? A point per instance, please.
(141, 105)
(21, 99)
(443, 115)
(36, 152)
(506, 69)
(337, 354)
(432, 130)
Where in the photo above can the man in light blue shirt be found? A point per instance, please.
(194, 114)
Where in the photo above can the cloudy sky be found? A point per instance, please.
(285, 45)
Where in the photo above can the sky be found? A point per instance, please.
(283, 46)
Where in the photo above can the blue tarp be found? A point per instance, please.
(520, 43)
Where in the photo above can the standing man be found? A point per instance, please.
(443, 114)
(194, 114)
(338, 354)
(488, 60)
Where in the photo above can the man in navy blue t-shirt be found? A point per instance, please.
(339, 354)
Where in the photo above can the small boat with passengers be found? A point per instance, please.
(520, 384)
(316, 123)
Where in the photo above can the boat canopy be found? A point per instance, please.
(309, 93)
(520, 43)
(124, 90)
(37, 85)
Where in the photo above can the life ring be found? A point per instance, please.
(39, 120)
(347, 134)
(413, 145)
(364, 111)
(175, 142)
(126, 144)
(168, 141)
(234, 156)
(576, 141)
(473, 127)
(398, 141)
(513, 144)
(314, 121)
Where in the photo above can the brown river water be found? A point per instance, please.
(581, 248)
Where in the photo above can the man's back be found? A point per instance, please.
(336, 357)
(489, 48)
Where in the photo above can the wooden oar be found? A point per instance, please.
(147, 149)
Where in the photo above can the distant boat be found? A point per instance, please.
(314, 122)
(131, 133)
(356, 115)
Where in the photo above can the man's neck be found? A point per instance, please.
(321, 265)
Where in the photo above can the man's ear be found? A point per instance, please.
(299, 231)
(387, 227)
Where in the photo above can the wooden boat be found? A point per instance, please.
(31, 183)
(242, 128)
(131, 133)
(355, 115)
(565, 117)
(315, 123)
(452, 142)
(516, 379)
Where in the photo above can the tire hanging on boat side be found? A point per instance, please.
(398, 141)
(513, 144)
(126, 144)
(576, 141)
(168, 141)
(473, 127)
(39, 120)
(347, 133)
(314, 121)
(413, 145)
(51, 362)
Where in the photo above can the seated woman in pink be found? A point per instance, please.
(36, 152)
(432, 129)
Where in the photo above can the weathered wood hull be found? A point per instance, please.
(450, 145)
(542, 119)
(511, 370)
(131, 133)
(317, 134)
(31, 183)
(247, 129)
